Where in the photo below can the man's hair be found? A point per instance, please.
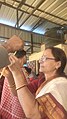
(20, 53)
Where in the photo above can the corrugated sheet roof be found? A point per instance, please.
(33, 15)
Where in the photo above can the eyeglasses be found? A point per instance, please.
(44, 58)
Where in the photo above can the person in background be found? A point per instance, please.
(28, 72)
(51, 97)
(31, 76)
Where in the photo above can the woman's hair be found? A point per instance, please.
(59, 55)
(28, 70)
(20, 53)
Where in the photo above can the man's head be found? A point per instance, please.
(21, 55)
(14, 44)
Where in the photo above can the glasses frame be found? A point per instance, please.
(44, 58)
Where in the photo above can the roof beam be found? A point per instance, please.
(19, 6)
(55, 16)
(19, 19)
(33, 11)
(40, 22)
(21, 3)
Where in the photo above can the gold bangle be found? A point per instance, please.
(24, 85)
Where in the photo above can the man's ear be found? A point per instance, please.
(58, 64)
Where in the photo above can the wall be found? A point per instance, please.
(7, 32)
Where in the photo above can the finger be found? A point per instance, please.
(13, 59)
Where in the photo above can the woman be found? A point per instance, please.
(51, 98)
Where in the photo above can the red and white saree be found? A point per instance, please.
(52, 99)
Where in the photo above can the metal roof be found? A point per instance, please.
(33, 15)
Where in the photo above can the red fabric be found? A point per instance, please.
(33, 86)
(10, 107)
(1, 85)
(35, 83)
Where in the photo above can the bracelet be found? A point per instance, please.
(24, 85)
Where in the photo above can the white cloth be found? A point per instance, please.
(58, 88)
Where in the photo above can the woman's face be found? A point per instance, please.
(47, 62)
